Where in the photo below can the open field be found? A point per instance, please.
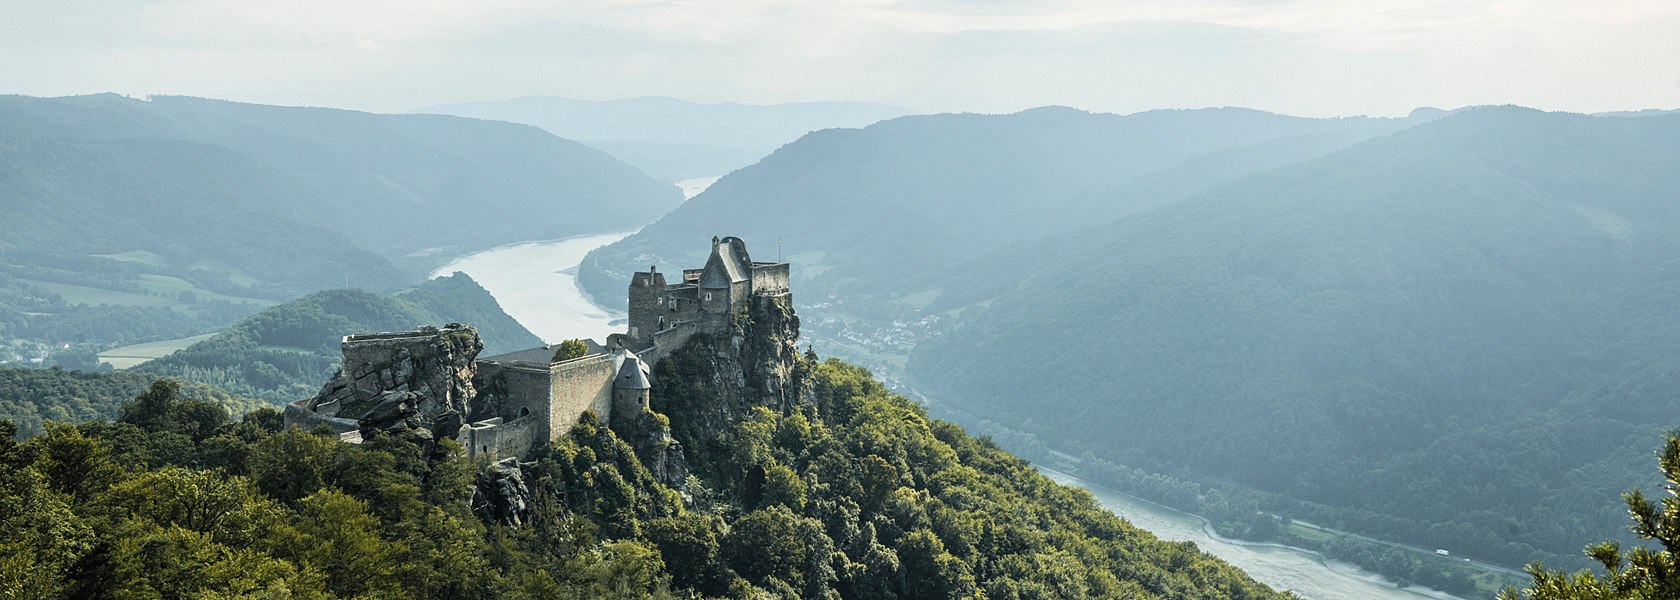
(130, 356)
(81, 294)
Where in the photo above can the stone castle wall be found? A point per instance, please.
(769, 278)
(512, 391)
(495, 438)
(578, 385)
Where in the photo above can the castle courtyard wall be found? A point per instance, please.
(520, 390)
(578, 385)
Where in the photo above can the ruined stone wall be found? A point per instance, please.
(769, 278)
(512, 391)
(578, 385)
(418, 379)
(670, 340)
(495, 439)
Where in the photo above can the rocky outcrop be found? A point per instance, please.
(714, 381)
(649, 434)
(500, 494)
(419, 381)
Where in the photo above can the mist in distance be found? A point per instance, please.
(1301, 57)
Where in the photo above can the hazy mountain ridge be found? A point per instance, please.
(1451, 329)
(672, 138)
(136, 220)
(888, 208)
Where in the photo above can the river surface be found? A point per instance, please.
(1281, 567)
(535, 283)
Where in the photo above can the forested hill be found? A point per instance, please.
(287, 351)
(209, 184)
(850, 493)
(31, 397)
(1462, 336)
(872, 209)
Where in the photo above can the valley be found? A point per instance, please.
(528, 280)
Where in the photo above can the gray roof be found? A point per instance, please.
(541, 355)
(724, 266)
(632, 374)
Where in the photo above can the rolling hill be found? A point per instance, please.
(1461, 335)
(874, 219)
(287, 351)
(132, 220)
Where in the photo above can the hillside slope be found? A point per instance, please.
(287, 351)
(842, 490)
(1461, 335)
(889, 207)
(31, 397)
(130, 220)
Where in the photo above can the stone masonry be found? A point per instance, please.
(430, 383)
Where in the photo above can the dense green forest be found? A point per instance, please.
(888, 209)
(1459, 336)
(30, 397)
(286, 352)
(852, 492)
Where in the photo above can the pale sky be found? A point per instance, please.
(1304, 57)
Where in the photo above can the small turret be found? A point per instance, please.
(631, 388)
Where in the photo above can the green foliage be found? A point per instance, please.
(851, 493)
(28, 397)
(1638, 573)
(570, 349)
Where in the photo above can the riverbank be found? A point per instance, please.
(1307, 573)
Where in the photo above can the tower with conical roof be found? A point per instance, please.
(631, 387)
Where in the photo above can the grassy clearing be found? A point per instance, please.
(139, 256)
(81, 294)
(1309, 533)
(130, 356)
(173, 286)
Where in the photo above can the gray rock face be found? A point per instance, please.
(501, 496)
(399, 382)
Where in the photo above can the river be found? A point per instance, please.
(535, 283)
(1282, 567)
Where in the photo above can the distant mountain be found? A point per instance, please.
(673, 138)
(287, 351)
(889, 208)
(134, 204)
(1462, 335)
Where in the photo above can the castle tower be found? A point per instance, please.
(647, 305)
(726, 280)
(631, 388)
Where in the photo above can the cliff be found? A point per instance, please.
(420, 382)
(714, 381)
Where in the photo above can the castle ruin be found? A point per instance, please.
(431, 383)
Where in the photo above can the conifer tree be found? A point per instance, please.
(1640, 573)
